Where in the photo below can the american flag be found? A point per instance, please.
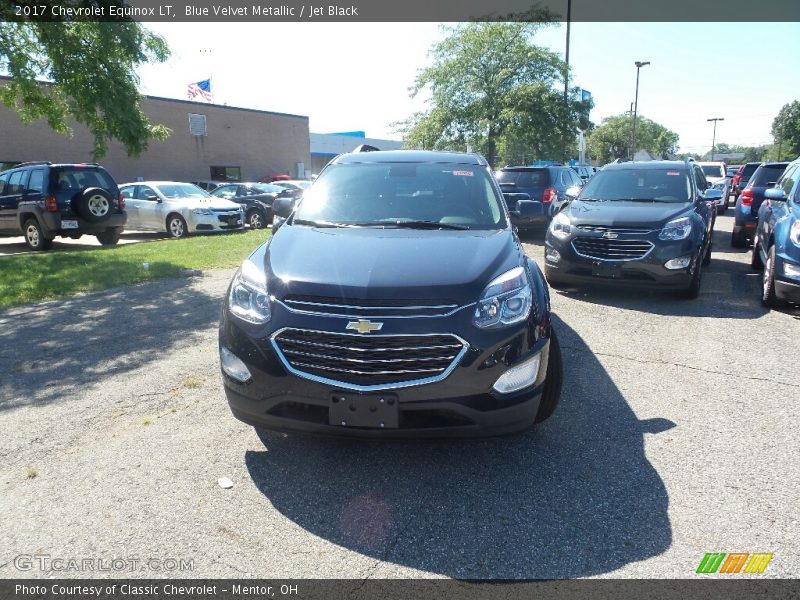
(202, 89)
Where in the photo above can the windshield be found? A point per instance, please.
(182, 190)
(656, 185)
(713, 171)
(267, 188)
(386, 194)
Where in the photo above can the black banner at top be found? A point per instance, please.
(243, 11)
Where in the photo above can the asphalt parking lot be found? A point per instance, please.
(676, 435)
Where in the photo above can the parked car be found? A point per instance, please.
(395, 301)
(776, 248)
(745, 215)
(742, 176)
(645, 224)
(42, 200)
(255, 197)
(178, 209)
(547, 186)
(293, 184)
(715, 174)
(584, 172)
(208, 185)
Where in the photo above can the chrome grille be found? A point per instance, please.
(368, 361)
(342, 307)
(616, 249)
(601, 229)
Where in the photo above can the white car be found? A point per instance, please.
(716, 175)
(178, 208)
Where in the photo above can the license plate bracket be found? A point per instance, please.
(607, 270)
(373, 411)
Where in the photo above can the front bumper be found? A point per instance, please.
(462, 404)
(647, 272)
(199, 223)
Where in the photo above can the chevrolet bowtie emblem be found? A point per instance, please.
(364, 326)
(610, 235)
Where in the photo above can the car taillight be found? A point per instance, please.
(121, 202)
(747, 196)
(548, 195)
(50, 203)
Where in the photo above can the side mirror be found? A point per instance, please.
(775, 194)
(154, 199)
(283, 207)
(290, 193)
(572, 192)
(528, 208)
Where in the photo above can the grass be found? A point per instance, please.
(43, 276)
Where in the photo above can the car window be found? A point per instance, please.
(529, 178)
(389, 192)
(267, 188)
(767, 174)
(77, 178)
(127, 192)
(144, 192)
(15, 182)
(713, 170)
(225, 191)
(36, 181)
(575, 178)
(700, 179)
(657, 184)
(182, 190)
(789, 178)
(3, 182)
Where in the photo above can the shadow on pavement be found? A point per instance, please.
(57, 349)
(572, 498)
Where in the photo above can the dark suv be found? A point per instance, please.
(547, 186)
(646, 224)
(745, 216)
(742, 176)
(43, 200)
(394, 301)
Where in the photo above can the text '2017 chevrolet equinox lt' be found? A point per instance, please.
(395, 301)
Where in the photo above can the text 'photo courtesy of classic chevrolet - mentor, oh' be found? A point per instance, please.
(395, 301)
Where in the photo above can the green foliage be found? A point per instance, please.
(786, 129)
(40, 276)
(493, 90)
(751, 153)
(612, 139)
(91, 70)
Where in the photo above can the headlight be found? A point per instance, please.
(561, 226)
(248, 298)
(678, 229)
(202, 211)
(794, 233)
(506, 300)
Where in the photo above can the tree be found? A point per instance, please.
(89, 73)
(786, 130)
(612, 138)
(493, 90)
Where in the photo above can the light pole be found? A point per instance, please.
(639, 64)
(714, 135)
(566, 83)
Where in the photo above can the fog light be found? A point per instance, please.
(552, 254)
(233, 366)
(791, 270)
(518, 377)
(678, 263)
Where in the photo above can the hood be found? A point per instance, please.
(626, 214)
(398, 264)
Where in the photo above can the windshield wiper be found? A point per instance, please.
(638, 200)
(320, 223)
(412, 224)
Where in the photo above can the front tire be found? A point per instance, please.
(768, 296)
(738, 240)
(755, 259)
(176, 226)
(707, 255)
(693, 291)
(554, 380)
(34, 236)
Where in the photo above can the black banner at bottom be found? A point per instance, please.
(433, 589)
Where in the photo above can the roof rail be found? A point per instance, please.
(31, 163)
(366, 148)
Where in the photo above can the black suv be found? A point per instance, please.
(550, 187)
(43, 200)
(646, 224)
(395, 301)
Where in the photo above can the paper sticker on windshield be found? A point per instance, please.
(673, 172)
(464, 173)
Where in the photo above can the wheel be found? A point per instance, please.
(34, 236)
(755, 258)
(176, 226)
(554, 380)
(707, 255)
(109, 237)
(693, 291)
(768, 297)
(738, 240)
(256, 219)
(94, 204)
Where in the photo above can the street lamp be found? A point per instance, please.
(714, 136)
(639, 64)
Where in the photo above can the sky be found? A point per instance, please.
(356, 76)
